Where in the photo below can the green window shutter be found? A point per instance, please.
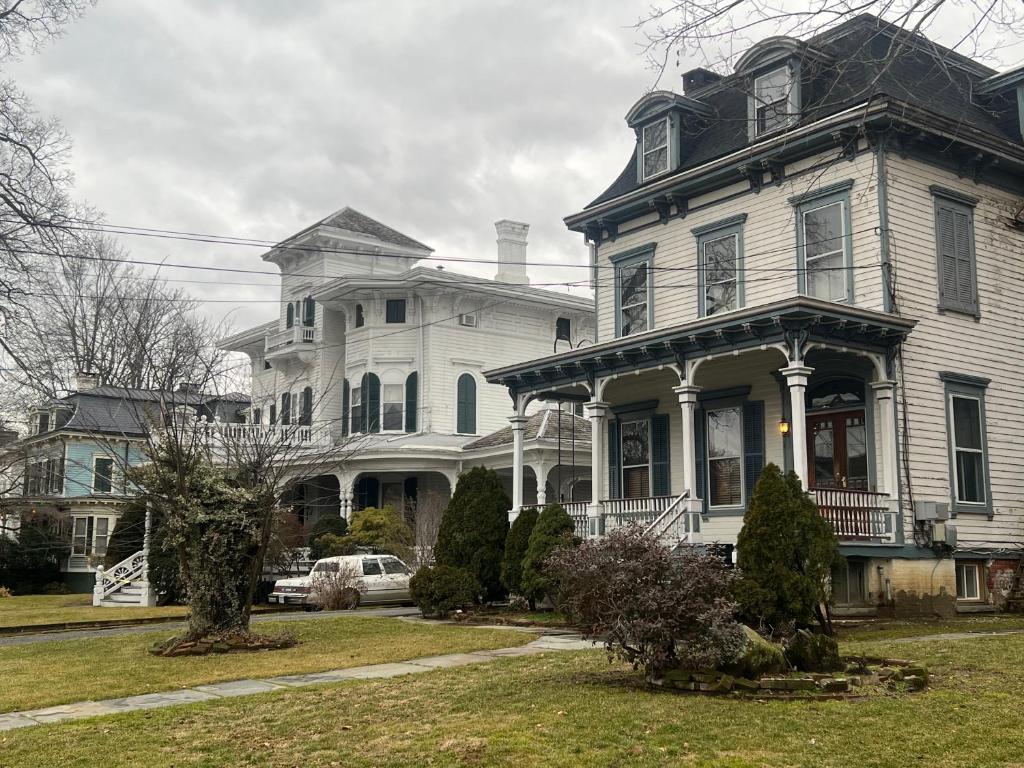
(411, 398)
(753, 445)
(371, 403)
(466, 407)
(346, 397)
(306, 407)
(700, 454)
(954, 234)
(660, 481)
(614, 475)
(286, 408)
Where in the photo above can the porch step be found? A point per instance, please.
(122, 599)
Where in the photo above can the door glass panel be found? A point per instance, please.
(856, 453)
(824, 455)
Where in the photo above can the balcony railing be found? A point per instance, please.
(857, 516)
(297, 334)
(265, 434)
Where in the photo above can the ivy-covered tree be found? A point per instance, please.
(785, 552)
(474, 527)
(515, 550)
(554, 529)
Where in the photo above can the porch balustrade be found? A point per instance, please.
(256, 434)
(857, 516)
(293, 335)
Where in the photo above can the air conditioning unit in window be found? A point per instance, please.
(468, 320)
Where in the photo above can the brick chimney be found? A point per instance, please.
(512, 251)
(84, 381)
(696, 79)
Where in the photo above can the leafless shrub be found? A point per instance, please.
(337, 588)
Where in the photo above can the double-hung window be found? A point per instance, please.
(636, 458)
(357, 410)
(725, 457)
(102, 474)
(954, 245)
(655, 149)
(394, 400)
(968, 453)
(824, 250)
(720, 266)
(633, 306)
(969, 580)
(394, 311)
(775, 102)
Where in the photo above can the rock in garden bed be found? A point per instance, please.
(864, 677)
(228, 642)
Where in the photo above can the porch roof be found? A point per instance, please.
(793, 321)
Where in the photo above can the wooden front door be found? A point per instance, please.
(837, 450)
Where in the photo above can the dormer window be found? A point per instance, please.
(655, 148)
(775, 101)
(44, 423)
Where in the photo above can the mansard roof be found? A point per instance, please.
(846, 66)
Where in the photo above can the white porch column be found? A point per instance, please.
(796, 379)
(540, 471)
(687, 394)
(518, 428)
(597, 412)
(885, 402)
(345, 500)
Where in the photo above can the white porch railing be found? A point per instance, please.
(677, 525)
(643, 511)
(121, 575)
(256, 434)
(857, 516)
(295, 335)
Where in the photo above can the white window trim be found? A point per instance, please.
(708, 459)
(646, 303)
(983, 503)
(113, 477)
(841, 251)
(792, 101)
(355, 427)
(735, 272)
(384, 402)
(977, 568)
(90, 544)
(644, 151)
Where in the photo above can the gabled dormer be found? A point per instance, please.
(772, 72)
(662, 120)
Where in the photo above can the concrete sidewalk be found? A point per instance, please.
(546, 642)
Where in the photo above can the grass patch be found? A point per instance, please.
(34, 610)
(43, 674)
(890, 629)
(567, 710)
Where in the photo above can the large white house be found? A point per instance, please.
(376, 363)
(817, 260)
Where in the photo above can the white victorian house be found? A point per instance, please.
(376, 364)
(821, 266)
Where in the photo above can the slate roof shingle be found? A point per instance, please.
(544, 424)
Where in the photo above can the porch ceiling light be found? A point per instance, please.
(784, 426)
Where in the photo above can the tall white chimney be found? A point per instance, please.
(512, 251)
(86, 380)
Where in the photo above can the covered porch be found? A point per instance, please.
(684, 419)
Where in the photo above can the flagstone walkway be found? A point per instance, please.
(562, 641)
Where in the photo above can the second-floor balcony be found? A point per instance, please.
(295, 435)
(295, 341)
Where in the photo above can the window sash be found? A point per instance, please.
(102, 482)
(713, 279)
(725, 457)
(773, 90)
(968, 581)
(833, 284)
(655, 155)
(633, 311)
(968, 486)
(394, 311)
(356, 410)
(393, 418)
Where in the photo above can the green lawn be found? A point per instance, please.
(32, 610)
(42, 674)
(567, 710)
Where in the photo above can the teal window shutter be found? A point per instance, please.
(753, 445)
(371, 403)
(614, 474)
(412, 382)
(700, 455)
(660, 481)
(346, 396)
(466, 416)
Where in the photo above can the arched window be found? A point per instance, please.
(346, 398)
(306, 407)
(466, 408)
(286, 408)
(308, 311)
(289, 316)
(359, 316)
(370, 387)
(411, 401)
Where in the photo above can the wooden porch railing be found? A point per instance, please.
(857, 515)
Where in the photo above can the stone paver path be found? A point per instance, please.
(563, 641)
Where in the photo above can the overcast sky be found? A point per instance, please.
(255, 118)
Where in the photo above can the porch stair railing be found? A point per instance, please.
(120, 578)
(677, 525)
(857, 515)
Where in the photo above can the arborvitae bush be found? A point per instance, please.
(515, 550)
(442, 589)
(554, 529)
(473, 529)
(384, 530)
(785, 553)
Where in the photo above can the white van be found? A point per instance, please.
(378, 579)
